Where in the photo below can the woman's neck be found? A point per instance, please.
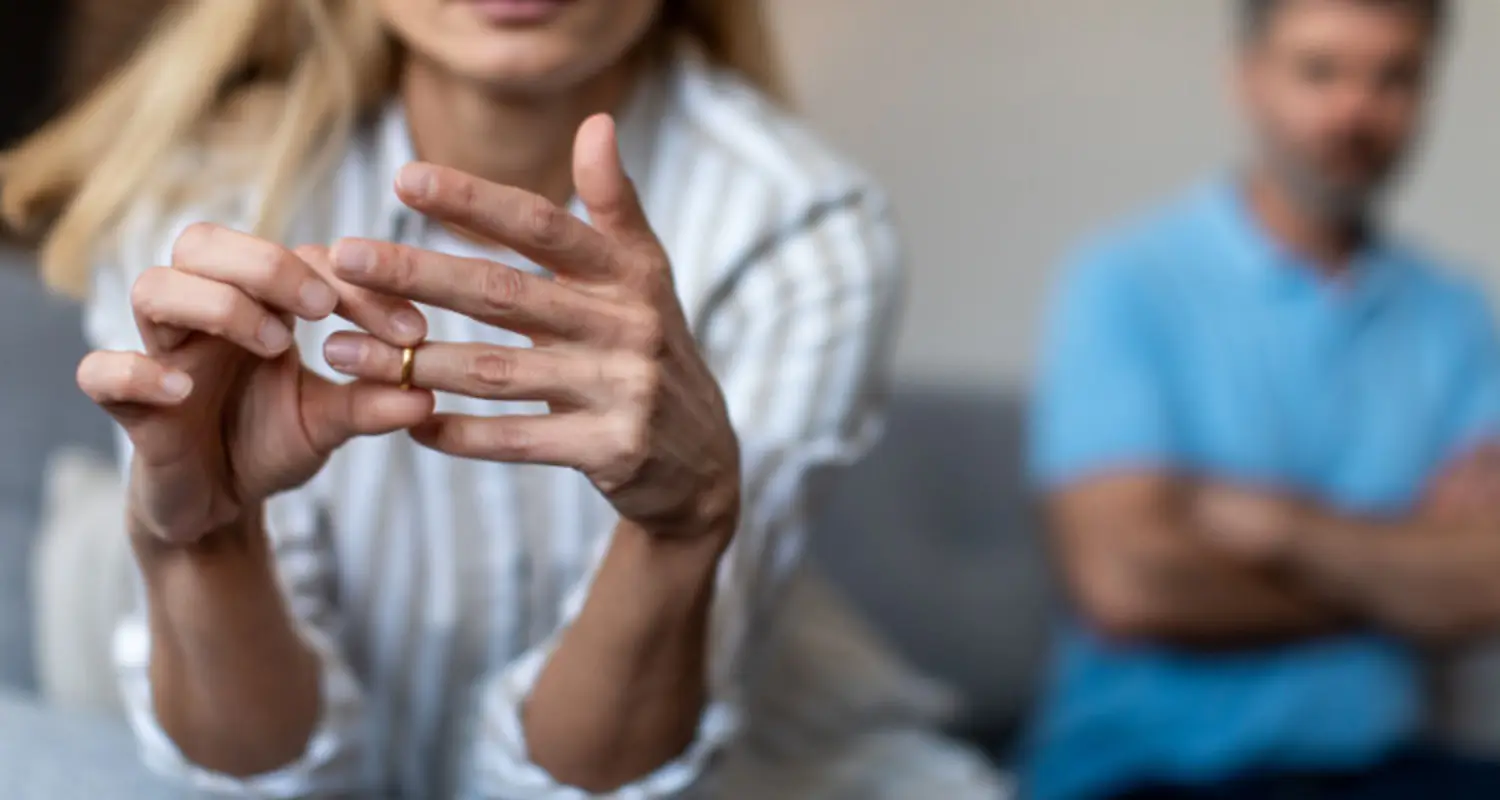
(518, 141)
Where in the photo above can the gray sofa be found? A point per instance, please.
(40, 410)
(932, 536)
(929, 536)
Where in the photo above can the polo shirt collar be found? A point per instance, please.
(1257, 255)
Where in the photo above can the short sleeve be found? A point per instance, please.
(1099, 398)
(1476, 400)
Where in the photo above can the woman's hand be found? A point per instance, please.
(633, 406)
(220, 410)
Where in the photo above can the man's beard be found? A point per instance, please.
(1330, 200)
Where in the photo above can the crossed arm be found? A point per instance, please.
(1151, 556)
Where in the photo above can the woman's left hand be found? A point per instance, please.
(632, 403)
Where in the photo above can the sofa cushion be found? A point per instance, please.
(40, 410)
(935, 539)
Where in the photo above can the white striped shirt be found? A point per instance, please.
(435, 587)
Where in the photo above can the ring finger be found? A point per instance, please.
(475, 370)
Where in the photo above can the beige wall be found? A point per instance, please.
(1005, 128)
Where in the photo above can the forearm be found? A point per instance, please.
(1432, 581)
(1172, 587)
(233, 684)
(622, 693)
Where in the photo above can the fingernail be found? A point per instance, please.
(176, 385)
(408, 324)
(274, 336)
(416, 181)
(317, 298)
(354, 258)
(343, 352)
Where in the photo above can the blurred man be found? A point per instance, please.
(1267, 432)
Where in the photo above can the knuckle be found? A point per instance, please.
(510, 440)
(645, 332)
(464, 189)
(492, 369)
(546, 223)
(132, 372)
(648, 264)
(271, 264)
(192, 240)
(630, 443)
(312, 254)
(402, 266)
(220, 310)
(503, 287)
(146, 289)
(640, 380)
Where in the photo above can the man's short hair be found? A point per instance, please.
(1256, 14)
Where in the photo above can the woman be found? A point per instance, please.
(615, 389)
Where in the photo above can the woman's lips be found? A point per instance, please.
(518, 12)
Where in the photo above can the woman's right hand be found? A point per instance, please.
(220, 409)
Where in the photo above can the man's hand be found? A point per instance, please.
(1468, 491)
(1155, 557)
(1433, 575)
(1254, 525)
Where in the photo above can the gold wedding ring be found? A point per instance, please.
(408, 360)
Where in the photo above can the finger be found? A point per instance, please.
(115, 379)
(606, 191)
(492, 293)
(563, 440)
(261, 269)
(393, 319)
(165, 297)
(475, 370)
(337, 412)
(530, 224)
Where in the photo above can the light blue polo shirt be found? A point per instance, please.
(1190, 342)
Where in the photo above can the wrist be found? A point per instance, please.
(234, 545)
(198, 595)
(709, 521)
(653, 585)
(1329, 558)
(671, 559)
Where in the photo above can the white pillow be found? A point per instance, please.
(83, 577)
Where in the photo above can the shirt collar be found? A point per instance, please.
(1268, 263)
(637, 125)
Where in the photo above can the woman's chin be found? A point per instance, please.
(516, 68)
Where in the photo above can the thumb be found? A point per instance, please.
(334, 413)
(600, 179)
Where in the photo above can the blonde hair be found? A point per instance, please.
(281, 82)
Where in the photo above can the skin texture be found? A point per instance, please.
(222, 414)
(1212, 565)
(1333, 91)
(1430, 576)
(1334, 94)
